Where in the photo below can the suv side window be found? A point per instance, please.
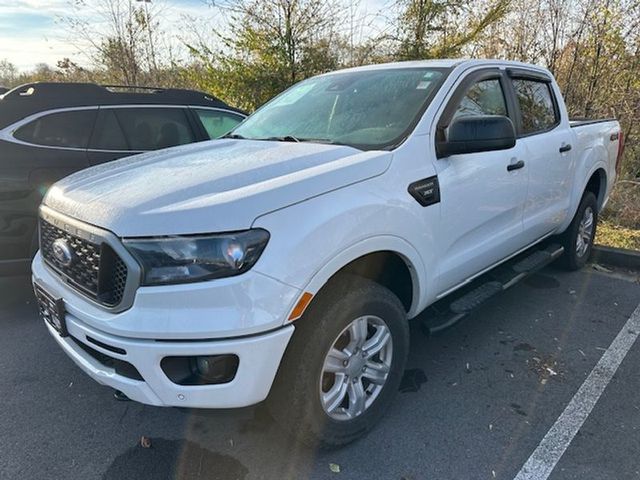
(152, 128)
(62, 129)
(217, 122)
(537, 107)
(107, 135)
(483, 98)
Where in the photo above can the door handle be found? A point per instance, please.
(515, 166)
(565, 148)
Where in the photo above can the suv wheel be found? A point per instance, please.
(344, 364)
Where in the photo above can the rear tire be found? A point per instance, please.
(578, 238)
(331, 400)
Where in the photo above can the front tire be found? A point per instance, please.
(578, 238)
(344, 364)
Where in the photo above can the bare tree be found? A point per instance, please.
(117, 36)
(8, 73)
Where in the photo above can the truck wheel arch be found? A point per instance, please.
(388, 260)
(597, 184)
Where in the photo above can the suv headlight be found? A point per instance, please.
(182, 259)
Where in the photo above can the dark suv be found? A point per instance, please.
(49, 130)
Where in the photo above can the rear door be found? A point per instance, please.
(35, 153)
(481, 199)
(122, 131)
(547, 152)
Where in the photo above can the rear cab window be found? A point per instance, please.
(217, 122)
(70, 129)
(538, 111)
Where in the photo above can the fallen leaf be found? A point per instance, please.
(600, 268)
(334, 467)
(145, 442)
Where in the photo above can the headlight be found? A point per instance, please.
(185, 259)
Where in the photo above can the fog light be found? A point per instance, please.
(217, 368)
(201, 370)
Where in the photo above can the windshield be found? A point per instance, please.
(374, 109)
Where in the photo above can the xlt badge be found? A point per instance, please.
(426, 191)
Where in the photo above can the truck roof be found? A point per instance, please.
(445, 63)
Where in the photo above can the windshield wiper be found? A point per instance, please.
(285, 138)
(235, 136)
(291, 138)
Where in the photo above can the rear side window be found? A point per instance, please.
(154, 128)
(483, 98)
(217, 122)
(108, 135)
(62, 129)
(537, 107)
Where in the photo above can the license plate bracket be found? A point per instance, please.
(51, 310)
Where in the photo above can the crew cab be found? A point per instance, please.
(50, 130)
(284, 261)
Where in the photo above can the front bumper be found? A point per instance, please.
(259, 360)
(242, 315)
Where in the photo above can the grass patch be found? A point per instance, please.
(619, 237)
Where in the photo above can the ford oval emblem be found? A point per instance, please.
(62, 252)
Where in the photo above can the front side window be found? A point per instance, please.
(216, 122)
(483, 98)
(147, 128)
(536, 105)
(63, 129)
(372, 109)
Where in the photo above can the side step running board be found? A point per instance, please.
(453, 308)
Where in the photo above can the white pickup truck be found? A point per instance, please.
(285, 260)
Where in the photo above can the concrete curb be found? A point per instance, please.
(618, 257)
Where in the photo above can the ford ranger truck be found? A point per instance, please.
(284, 261)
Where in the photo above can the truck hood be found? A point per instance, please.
(215, 186)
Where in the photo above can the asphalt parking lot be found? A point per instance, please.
(476, 401)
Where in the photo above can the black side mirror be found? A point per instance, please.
(477, 134)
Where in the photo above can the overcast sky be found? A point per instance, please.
(30, 32)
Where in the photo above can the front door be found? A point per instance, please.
(482, 196)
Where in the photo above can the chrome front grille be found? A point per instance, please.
(90, 261)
